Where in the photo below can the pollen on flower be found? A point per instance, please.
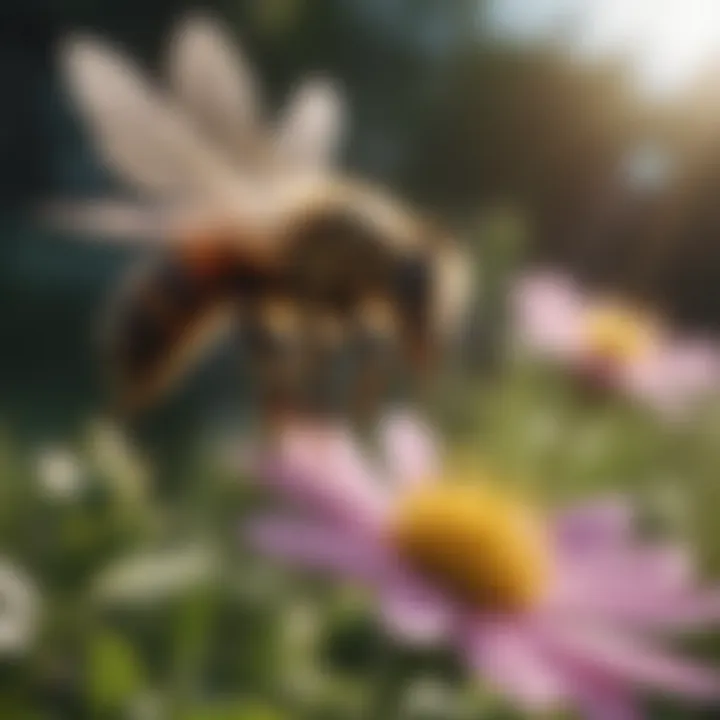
(488, 549)
(618, 333)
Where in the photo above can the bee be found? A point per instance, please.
(252, 225)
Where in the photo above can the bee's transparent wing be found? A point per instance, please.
(213, 79)
(115, 220)
(313, 126)
(141, 135)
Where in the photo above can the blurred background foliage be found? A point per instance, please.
(530, 150)
(446, 108)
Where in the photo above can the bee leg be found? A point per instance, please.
(422, 357)
(325, 365)
(376, 350)
(371, 381)
(274, 337)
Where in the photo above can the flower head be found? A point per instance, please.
(19, 609)
(60, 474)
(614, 343)
(552, 609)
(490, 550)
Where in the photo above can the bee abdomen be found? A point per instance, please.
(156, 315)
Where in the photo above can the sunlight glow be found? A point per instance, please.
(670, 40)
(667, 41)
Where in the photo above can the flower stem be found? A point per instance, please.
(386, 680)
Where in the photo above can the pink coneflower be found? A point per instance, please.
(614, 343)
(554, 611)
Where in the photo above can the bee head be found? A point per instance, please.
(434, 288)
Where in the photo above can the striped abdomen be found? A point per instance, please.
(167, 314)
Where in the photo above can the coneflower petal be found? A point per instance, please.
(324, 473)
(599, 699)
(416, 612)
(320, 547)
(625, 658)
(604, 523)
(410, 449)
(622, 579)
(505, 653)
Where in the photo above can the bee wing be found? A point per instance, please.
(113, 220)
(312, 128)
(212, 77)
(144, 137)
(127, 222)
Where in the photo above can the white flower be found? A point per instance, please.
(19, 609)
(153, 576)
(59, 473)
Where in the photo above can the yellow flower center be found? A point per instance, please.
(488, 549)
(617, 333)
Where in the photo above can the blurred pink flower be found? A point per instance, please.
(614, 344)
(553, 611)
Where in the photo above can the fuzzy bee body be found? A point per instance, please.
(332, 274)
(302, 258)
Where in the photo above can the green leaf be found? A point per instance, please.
(234, 710)
(114, 672)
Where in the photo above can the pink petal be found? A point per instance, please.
(696, 363)
(548, 314)
(626, 659)
(599, 524)
(622, 584)
(651, 382)
(416, 612)
(675, 377)
(647, 568)
(410, 448)
(691, 611)
(320, 547)
(324, 471)
(505, 653)
(599, 700)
